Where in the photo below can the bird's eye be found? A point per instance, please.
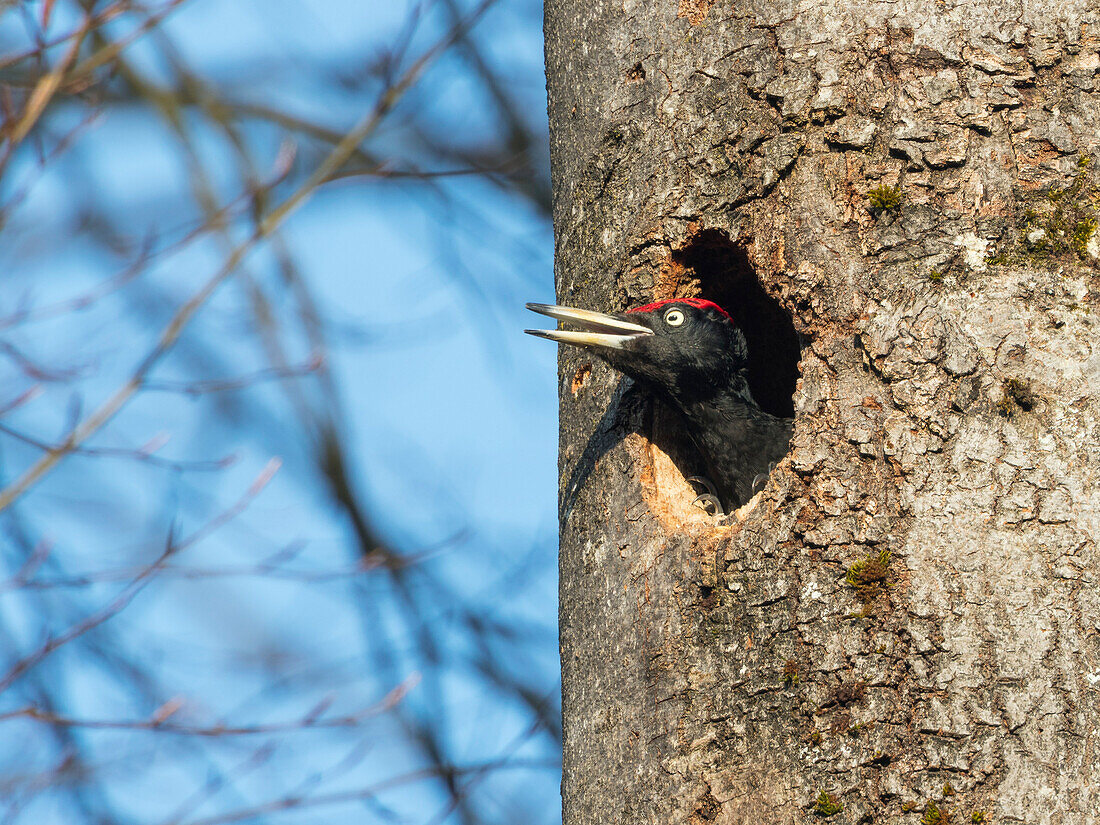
(674, 317)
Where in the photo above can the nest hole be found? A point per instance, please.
(725, 276)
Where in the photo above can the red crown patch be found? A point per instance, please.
(699, 303)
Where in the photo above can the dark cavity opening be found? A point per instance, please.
(726, 277)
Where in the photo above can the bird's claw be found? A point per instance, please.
(707, 500)
(709, 504)
(703, 484)
(760, 479)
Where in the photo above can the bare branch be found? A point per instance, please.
(335, 159)
(160, 720)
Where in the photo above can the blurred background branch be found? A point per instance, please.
(237, 237)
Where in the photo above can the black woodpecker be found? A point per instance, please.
(689, 352)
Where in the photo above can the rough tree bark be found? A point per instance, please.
(906, 624)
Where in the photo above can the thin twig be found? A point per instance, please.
(159, 721)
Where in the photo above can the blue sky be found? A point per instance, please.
(447, 409)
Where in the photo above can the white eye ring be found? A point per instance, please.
(674, 317)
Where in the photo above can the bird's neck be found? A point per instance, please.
(726, 390)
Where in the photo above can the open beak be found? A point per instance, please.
(597, 329)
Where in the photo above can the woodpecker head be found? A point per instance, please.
(688, 347)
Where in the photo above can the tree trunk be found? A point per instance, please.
(905, 622)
